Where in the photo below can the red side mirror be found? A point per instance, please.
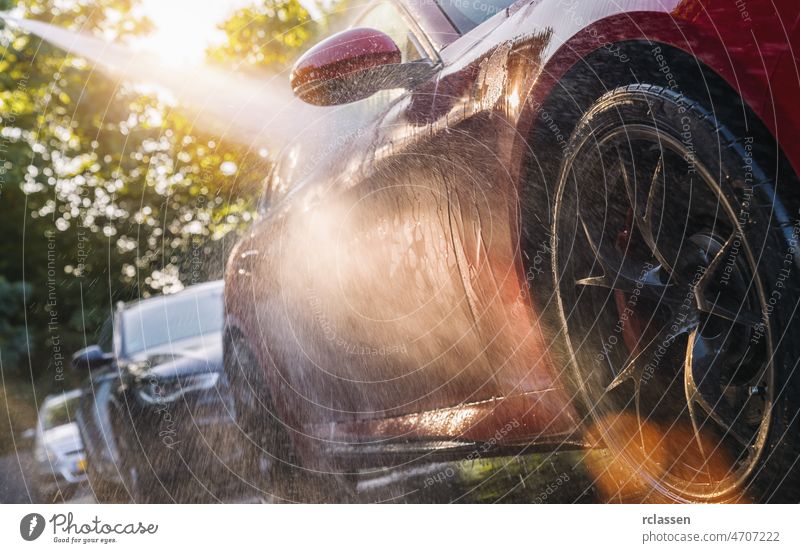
(346, 67)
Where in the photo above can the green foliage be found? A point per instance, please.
(108, 193)
(12, 322)
(269, 34)
(108, 18)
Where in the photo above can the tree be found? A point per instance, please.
(267, 35)
(109, 194)
(12, 324)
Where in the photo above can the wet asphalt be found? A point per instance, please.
(582, 476)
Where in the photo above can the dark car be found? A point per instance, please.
(93, 415)
(169, 408)
(547, 222)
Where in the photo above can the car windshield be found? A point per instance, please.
(157, 322)
(468, 14)
(59, 413)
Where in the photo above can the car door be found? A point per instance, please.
(391, 266)
(389, 331)
(299, 323)
(436, 208)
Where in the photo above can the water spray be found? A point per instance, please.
(252, 112)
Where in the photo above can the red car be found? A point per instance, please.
(528, 224)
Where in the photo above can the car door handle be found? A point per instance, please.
(246, 262)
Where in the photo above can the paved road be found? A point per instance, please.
(559, 477)
(16, 482)
(550, 478)
(13, 487)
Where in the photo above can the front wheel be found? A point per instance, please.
(267, 464)
(676, 282)
(143, 486)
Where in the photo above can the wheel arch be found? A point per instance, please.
(554, 109)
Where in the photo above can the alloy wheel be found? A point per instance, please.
(661, 299)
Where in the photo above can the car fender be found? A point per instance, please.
(743, 47)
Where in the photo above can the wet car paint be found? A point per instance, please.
(385, 292)
(94, 422)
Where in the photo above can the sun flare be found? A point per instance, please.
(184, 29)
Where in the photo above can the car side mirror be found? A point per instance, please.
(90, 358)
(353, 65)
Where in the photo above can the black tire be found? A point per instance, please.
(659, 201)
(268, 465)
(142, 486)
(139, 483)
(103, 490)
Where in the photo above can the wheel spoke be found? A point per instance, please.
(644, 221)
(713, 307)
(662, 293)
(738, 316)
(655, 182)
(635, 368)
(620, 276)
(705, 279)
(609, 259)
(604, 282)
(701, 385)
(621, 283)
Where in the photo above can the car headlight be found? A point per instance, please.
(165, 391)
(79, 465)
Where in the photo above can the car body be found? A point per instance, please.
(93, 418)
(391, 288)
(58, 448)
(163, 399)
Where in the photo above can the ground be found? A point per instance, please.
(556, 477)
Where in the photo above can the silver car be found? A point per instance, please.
(58, 450)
